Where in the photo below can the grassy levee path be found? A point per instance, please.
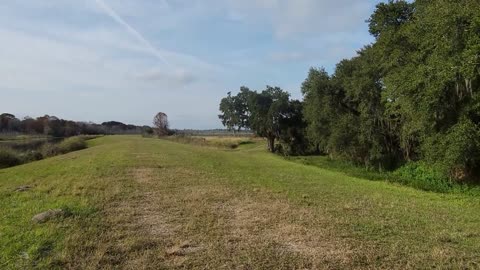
(137, 203)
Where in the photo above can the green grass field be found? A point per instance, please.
(144, 203)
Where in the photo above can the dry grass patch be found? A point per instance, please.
(143, 175)
(295, 230)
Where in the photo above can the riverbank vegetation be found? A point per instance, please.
(21, 152)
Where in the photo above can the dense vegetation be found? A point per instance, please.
(21, 152)
(410, 99)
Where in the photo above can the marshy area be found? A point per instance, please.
(21, 149)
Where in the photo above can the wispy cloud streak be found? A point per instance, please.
(117, 18)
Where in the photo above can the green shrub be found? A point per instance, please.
(8, 158)
(423, 176)
(66, 146)
(72, 144)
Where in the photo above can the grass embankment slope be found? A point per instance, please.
(147, 203)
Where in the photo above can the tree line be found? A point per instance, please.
(56, 127)
(410, 96)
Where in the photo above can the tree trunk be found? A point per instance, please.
(271, 144)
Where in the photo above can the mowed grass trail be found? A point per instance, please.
(137, 203)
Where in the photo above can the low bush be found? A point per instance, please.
(8, 158)
(423, 176)
(72, 144)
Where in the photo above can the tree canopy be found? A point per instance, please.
(270, 114)
(160, 121)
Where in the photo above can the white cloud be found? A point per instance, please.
(114, 15)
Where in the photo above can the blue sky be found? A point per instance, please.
(125, 60)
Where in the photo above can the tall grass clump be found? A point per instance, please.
(8, 158)
(49, 150)
(66, 146)
(72, 144)
(17, 154)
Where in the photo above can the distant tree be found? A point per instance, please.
(320, 107)
(114, 127)
(70, 128)
(147, 131)
(112, 124)
(228, 115)
(161, 124)
(241, 103)
(292, 135)
(6, 121)
(270, 114)
(27, 125)
(234, 110)
(268, 109)
(56, 127)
